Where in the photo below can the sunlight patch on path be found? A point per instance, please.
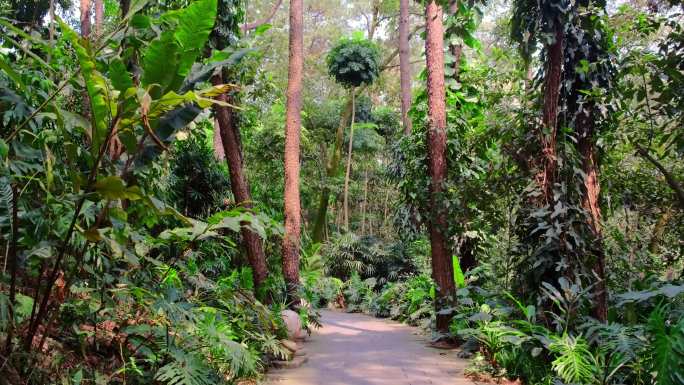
(355, 349)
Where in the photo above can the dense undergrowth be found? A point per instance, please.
(643, 342)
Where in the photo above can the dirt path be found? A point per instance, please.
(354, 349)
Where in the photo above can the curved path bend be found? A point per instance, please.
(355, 349)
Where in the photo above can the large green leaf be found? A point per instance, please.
(96, 86)
(195, 24)
(667, 347)
(4, 66)
(121, 79)
(168, 59)
(160, 63)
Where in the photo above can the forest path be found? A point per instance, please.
(355, 349)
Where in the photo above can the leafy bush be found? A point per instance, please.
(354, 61)
(368, 257)
(199, 183)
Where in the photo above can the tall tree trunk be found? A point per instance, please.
(233, 152)
(85, 18)
(99, 17)
(546, 175)
(347, 173)
(293, 123)
(405, 65)
(442, 270)
(590, 204)
(331, 170)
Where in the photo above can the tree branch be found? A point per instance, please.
(256, 24)
(390, 57)
(669, 178)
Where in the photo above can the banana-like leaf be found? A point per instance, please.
(121, 79)
(96, 86)
(174, 112)
(201, 73)
(160, 63)
(168, 59)
(11, 73)
(195, 24)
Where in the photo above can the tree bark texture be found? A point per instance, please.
(442, 269)
(99, 17)
(85, 18)
(405, 65)
(591, 205)
(293, 122)
(546, 175)
(233, 153)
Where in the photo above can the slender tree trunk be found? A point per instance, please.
(405, 65)
(99, 17)
(233, 152)
(12, 259)
(217, 143)
(293, 123)
(348, 171)
(659, 230)
(364, 208)
(373, 25)
(590, 204)
(385, 209)
(546, 176)
(332, 168)
(442, 270)
(85, 18)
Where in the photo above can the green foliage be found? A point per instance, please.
(667, 347)
(185, 369)
(366, 256)
(354, 61)
(168, 58)
(574, 362)
(198, 182)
